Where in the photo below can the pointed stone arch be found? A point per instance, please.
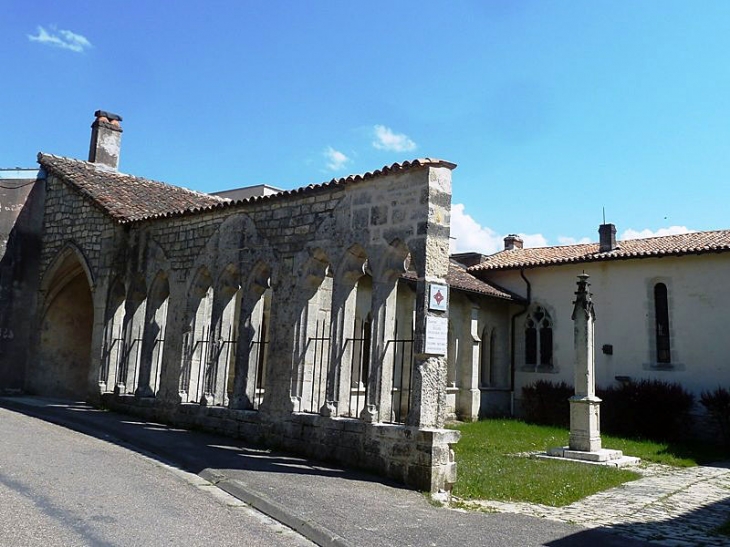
(153, 339)
(196, 335)
(348, 354)
(313, 330)
(389, 262)
(63, 269)
(66, 322)
(224, 318)
(135, 306)
(113, 338)
(247, 378)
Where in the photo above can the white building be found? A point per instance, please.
(661, 306)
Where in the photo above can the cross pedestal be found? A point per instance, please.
(585, 417)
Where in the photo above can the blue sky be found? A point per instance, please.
(552, 110)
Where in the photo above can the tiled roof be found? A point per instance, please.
(128, 198)
(459, 278)
(691, 243)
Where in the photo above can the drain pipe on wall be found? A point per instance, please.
(512, 343)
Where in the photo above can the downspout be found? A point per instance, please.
(512, 342)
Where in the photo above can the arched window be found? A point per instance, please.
(661, 323)
(539, 338)
(487, 351)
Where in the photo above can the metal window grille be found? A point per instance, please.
(221, 352)
(402, 377)
(359, 369)
(157, 350)
(317, 359)
(257, 356)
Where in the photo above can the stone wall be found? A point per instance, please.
(199, 278)
(421, 458)
(80, 246)
(21, 218)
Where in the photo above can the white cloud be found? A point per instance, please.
(567, 240)
(533, 240)
(468, 235)
(336, 160)
(640, 234)
(385, 139)
(65, 39)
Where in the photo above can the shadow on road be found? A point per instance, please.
(330, 502)
(193, 451)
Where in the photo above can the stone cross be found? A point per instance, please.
(585, 428)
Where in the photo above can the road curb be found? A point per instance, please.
(310, 529)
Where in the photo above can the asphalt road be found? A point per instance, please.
(61, 488)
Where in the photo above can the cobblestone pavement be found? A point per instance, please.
(667, 506)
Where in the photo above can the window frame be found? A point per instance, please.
(539, 340)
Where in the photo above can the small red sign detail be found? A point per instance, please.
(438, 297)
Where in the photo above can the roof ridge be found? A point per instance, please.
(136, 210)
(109, 171)
(691, 242)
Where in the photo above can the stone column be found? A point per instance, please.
(150, 334)
(470, 394)
(95, 386)
(284, 317)
(585, 434)
(342, 319)
(218, 358)
(342, 329)
(169, 392)
(244, 379)
(378, 402)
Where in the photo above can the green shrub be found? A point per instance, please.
(647, 409)
(546, 403)
(717, 403)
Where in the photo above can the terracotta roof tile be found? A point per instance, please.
(126, 198)
(129, 199)
(459, 278)
(690, 243)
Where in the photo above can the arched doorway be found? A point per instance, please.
(63, 365)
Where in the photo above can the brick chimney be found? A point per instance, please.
(106, 139)
(607, 238)
(512, 241)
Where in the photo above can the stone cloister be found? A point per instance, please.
(298, 319)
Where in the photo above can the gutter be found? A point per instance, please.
(526, 306)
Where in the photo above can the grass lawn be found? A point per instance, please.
(489, 466)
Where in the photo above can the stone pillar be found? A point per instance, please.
(249, 325)
(431, 258)
(285, 312)
(151, 331)
(585, 420)
(585, 431)
(169, 392)
(95, 386)
(153, 336)
(344, 297)
(219, 355)
(470, 395)
(378, 402)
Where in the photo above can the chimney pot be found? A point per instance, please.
(607, 238)
(106, 139)
(512, 241)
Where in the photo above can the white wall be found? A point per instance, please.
(623, 296)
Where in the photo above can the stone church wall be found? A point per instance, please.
(307, 249)
(21, 217)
